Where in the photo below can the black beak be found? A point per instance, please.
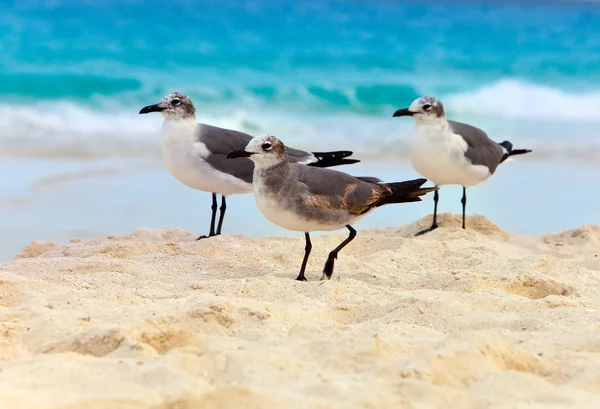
(151, 108)
(238, 154)
(403, 112)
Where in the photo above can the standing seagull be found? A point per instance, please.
(306, 199)
(452, 153)
(195, 154)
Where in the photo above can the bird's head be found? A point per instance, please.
(174, 106)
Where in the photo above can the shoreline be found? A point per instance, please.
(55, 200)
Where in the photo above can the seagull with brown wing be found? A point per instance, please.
(306, 199)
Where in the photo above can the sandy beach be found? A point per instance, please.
(452, 319)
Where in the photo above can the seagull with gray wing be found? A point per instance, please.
(196, 154)
(452, 153)
(302, 198)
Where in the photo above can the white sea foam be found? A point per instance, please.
(514, 99)
(529, 115)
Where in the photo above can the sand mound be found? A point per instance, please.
(155, 319)
(448, 222)
(36, 249)
(586, 235)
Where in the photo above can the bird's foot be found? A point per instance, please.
(328, 270)
(433, 227)
(301, 278)
(205, 237)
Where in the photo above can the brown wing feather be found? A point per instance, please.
(328, 189)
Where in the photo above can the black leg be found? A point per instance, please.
(436, 198)
(222, 216)
(307, 250)
(434, 225)
(211, 233)
(328, 270)
(464, 204)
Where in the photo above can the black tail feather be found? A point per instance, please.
(510, 151)
(519, 152)
(506, 145)
(405, 192)
(327, 159)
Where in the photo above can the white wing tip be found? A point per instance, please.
(309, 159)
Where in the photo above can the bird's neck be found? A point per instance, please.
(179, 127)
(272, 175)
(440, 124)
(437, 128)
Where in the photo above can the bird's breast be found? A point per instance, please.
(283, 206)
(439, 156)
(185, 158)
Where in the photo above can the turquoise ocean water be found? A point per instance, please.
(77, 159)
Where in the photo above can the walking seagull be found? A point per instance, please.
(195, 154)
(452, 153)
(301, 198)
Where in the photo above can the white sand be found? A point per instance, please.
(453, 319)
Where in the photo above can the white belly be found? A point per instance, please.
(278, 214)
(442, 160)
(185, 160)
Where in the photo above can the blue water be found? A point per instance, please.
(318, 74)
(75, 73)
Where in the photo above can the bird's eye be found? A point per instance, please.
(426, 107)
(176, 101)
(266, 146)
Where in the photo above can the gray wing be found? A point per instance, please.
(481, 149)
(369, 179)
(241, 168)
(223, 141)
(219, 143)
(298, 156)
(328, 189)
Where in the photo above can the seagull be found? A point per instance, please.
(306, 199)
(195, 154)
(452, 153)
